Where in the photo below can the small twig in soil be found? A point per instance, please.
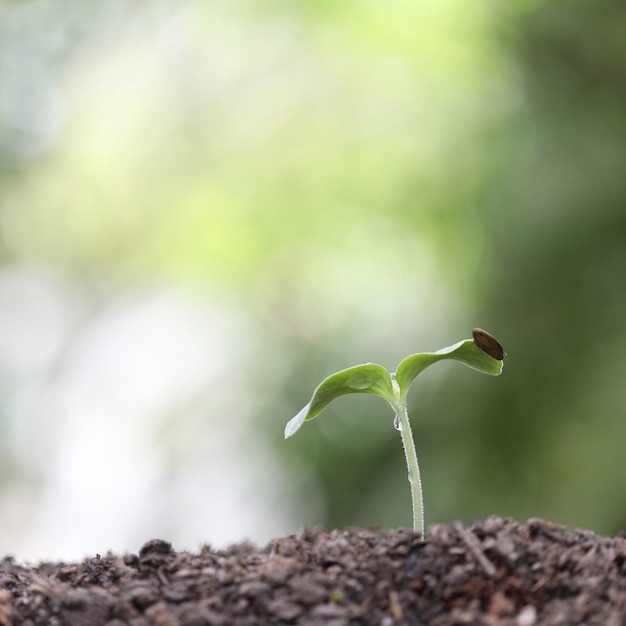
(395, 607)
(472, 542)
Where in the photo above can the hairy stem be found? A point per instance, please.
(402, 420)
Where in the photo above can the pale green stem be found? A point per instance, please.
(411, 461)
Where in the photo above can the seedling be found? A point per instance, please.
(483, 353)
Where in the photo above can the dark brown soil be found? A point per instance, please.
(493, 572)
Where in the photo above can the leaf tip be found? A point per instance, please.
(294, 423)
(488, 343)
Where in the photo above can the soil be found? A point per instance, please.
(495, 572)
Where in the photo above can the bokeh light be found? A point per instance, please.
(206, 208)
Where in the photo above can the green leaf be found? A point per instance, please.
(476, 353)
(367, 378)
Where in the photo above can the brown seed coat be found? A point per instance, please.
(488, 343)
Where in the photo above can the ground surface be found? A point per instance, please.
(494, 572)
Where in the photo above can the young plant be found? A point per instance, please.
(483, 353)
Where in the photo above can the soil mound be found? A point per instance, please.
(495, 572)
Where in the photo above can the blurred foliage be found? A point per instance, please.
(367, 180)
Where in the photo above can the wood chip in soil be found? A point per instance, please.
(495, 572)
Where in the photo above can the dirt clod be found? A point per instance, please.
(494, 573)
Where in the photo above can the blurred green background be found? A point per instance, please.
(208, 207)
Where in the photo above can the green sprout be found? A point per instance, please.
(482, 353)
